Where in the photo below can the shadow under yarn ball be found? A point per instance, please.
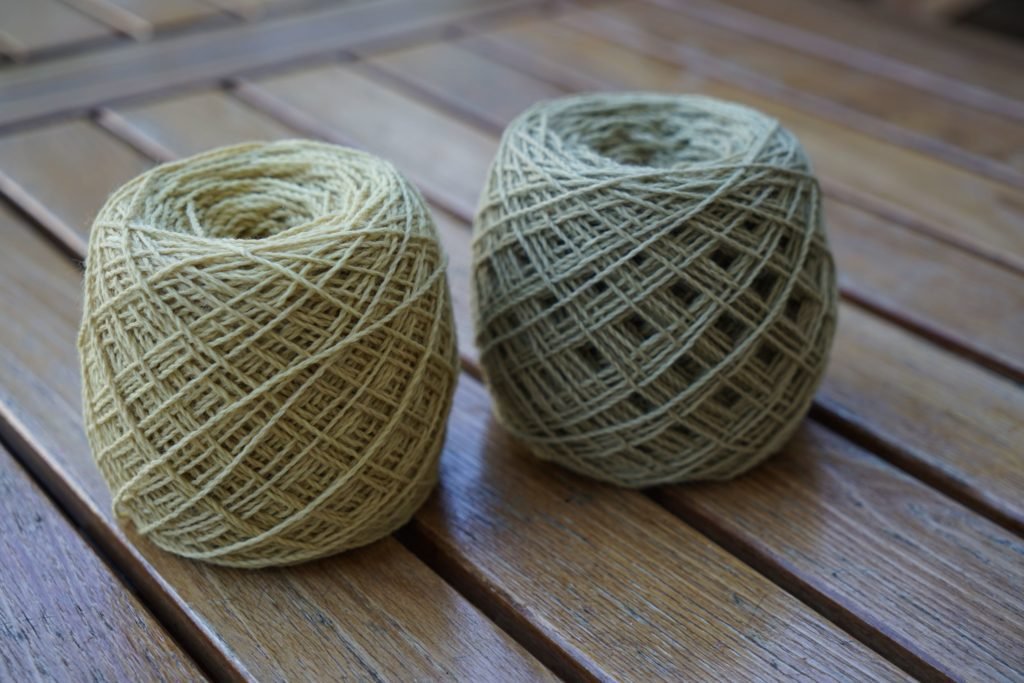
(267, 352)
(654, 298)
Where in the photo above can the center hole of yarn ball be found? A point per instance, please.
(255, 208)
(653, 134)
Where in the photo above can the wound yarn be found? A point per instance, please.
(267, 351)
(654, 298)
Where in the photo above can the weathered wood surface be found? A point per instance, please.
(63, 614)
(971, 67)
(75, 84)
(27, 29)
(902, 114)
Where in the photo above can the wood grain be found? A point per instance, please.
(960, 301)
(44, 25)
(974, 467)
(74, 85)
(159, 14)
(948, 62)
(952, 422)
(447, 158)
(378, 611)
(901, 114)
(971, 212)
(491, 94)
(63, 614)
(62, 174)
(843, 529)
(166, 128)
(613, 580)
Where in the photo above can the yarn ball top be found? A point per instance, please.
(654, 298)
(267, 351)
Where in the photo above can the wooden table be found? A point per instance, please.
(884, 542)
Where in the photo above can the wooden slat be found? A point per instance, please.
(948, 421)
(929, 10)
(381, 118)
(843, 529)
(977, 313)
(63, 614)
(42, 25)
(977, 463)
(492, 95)
(972, 212)
(166, 128)
(613, 580)
(62, 86)
(962, 134)
(157, 14)
(377, 612)
(62, 191)
(950, 63)
(950, 296)
(778, 633)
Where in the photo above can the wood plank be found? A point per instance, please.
(380, 118)
(63, 614)
(378, 612)
(44, 25)
(904, 115)
(979, 467)
(491, 93)
(778, 633)
(978, 313)
(948, 62)
(866, 540)
(971, 212)
(63, 86)
(159, 15)
(954, 298)
(61, 190)
(929, 10)
(949, 421)
(611, 578)
(166, 128)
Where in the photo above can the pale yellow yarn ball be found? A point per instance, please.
(267, 351)
(654, 298)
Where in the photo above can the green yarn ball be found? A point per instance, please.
(654, 297)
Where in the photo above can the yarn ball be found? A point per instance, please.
(654, 298)
(267, 351)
